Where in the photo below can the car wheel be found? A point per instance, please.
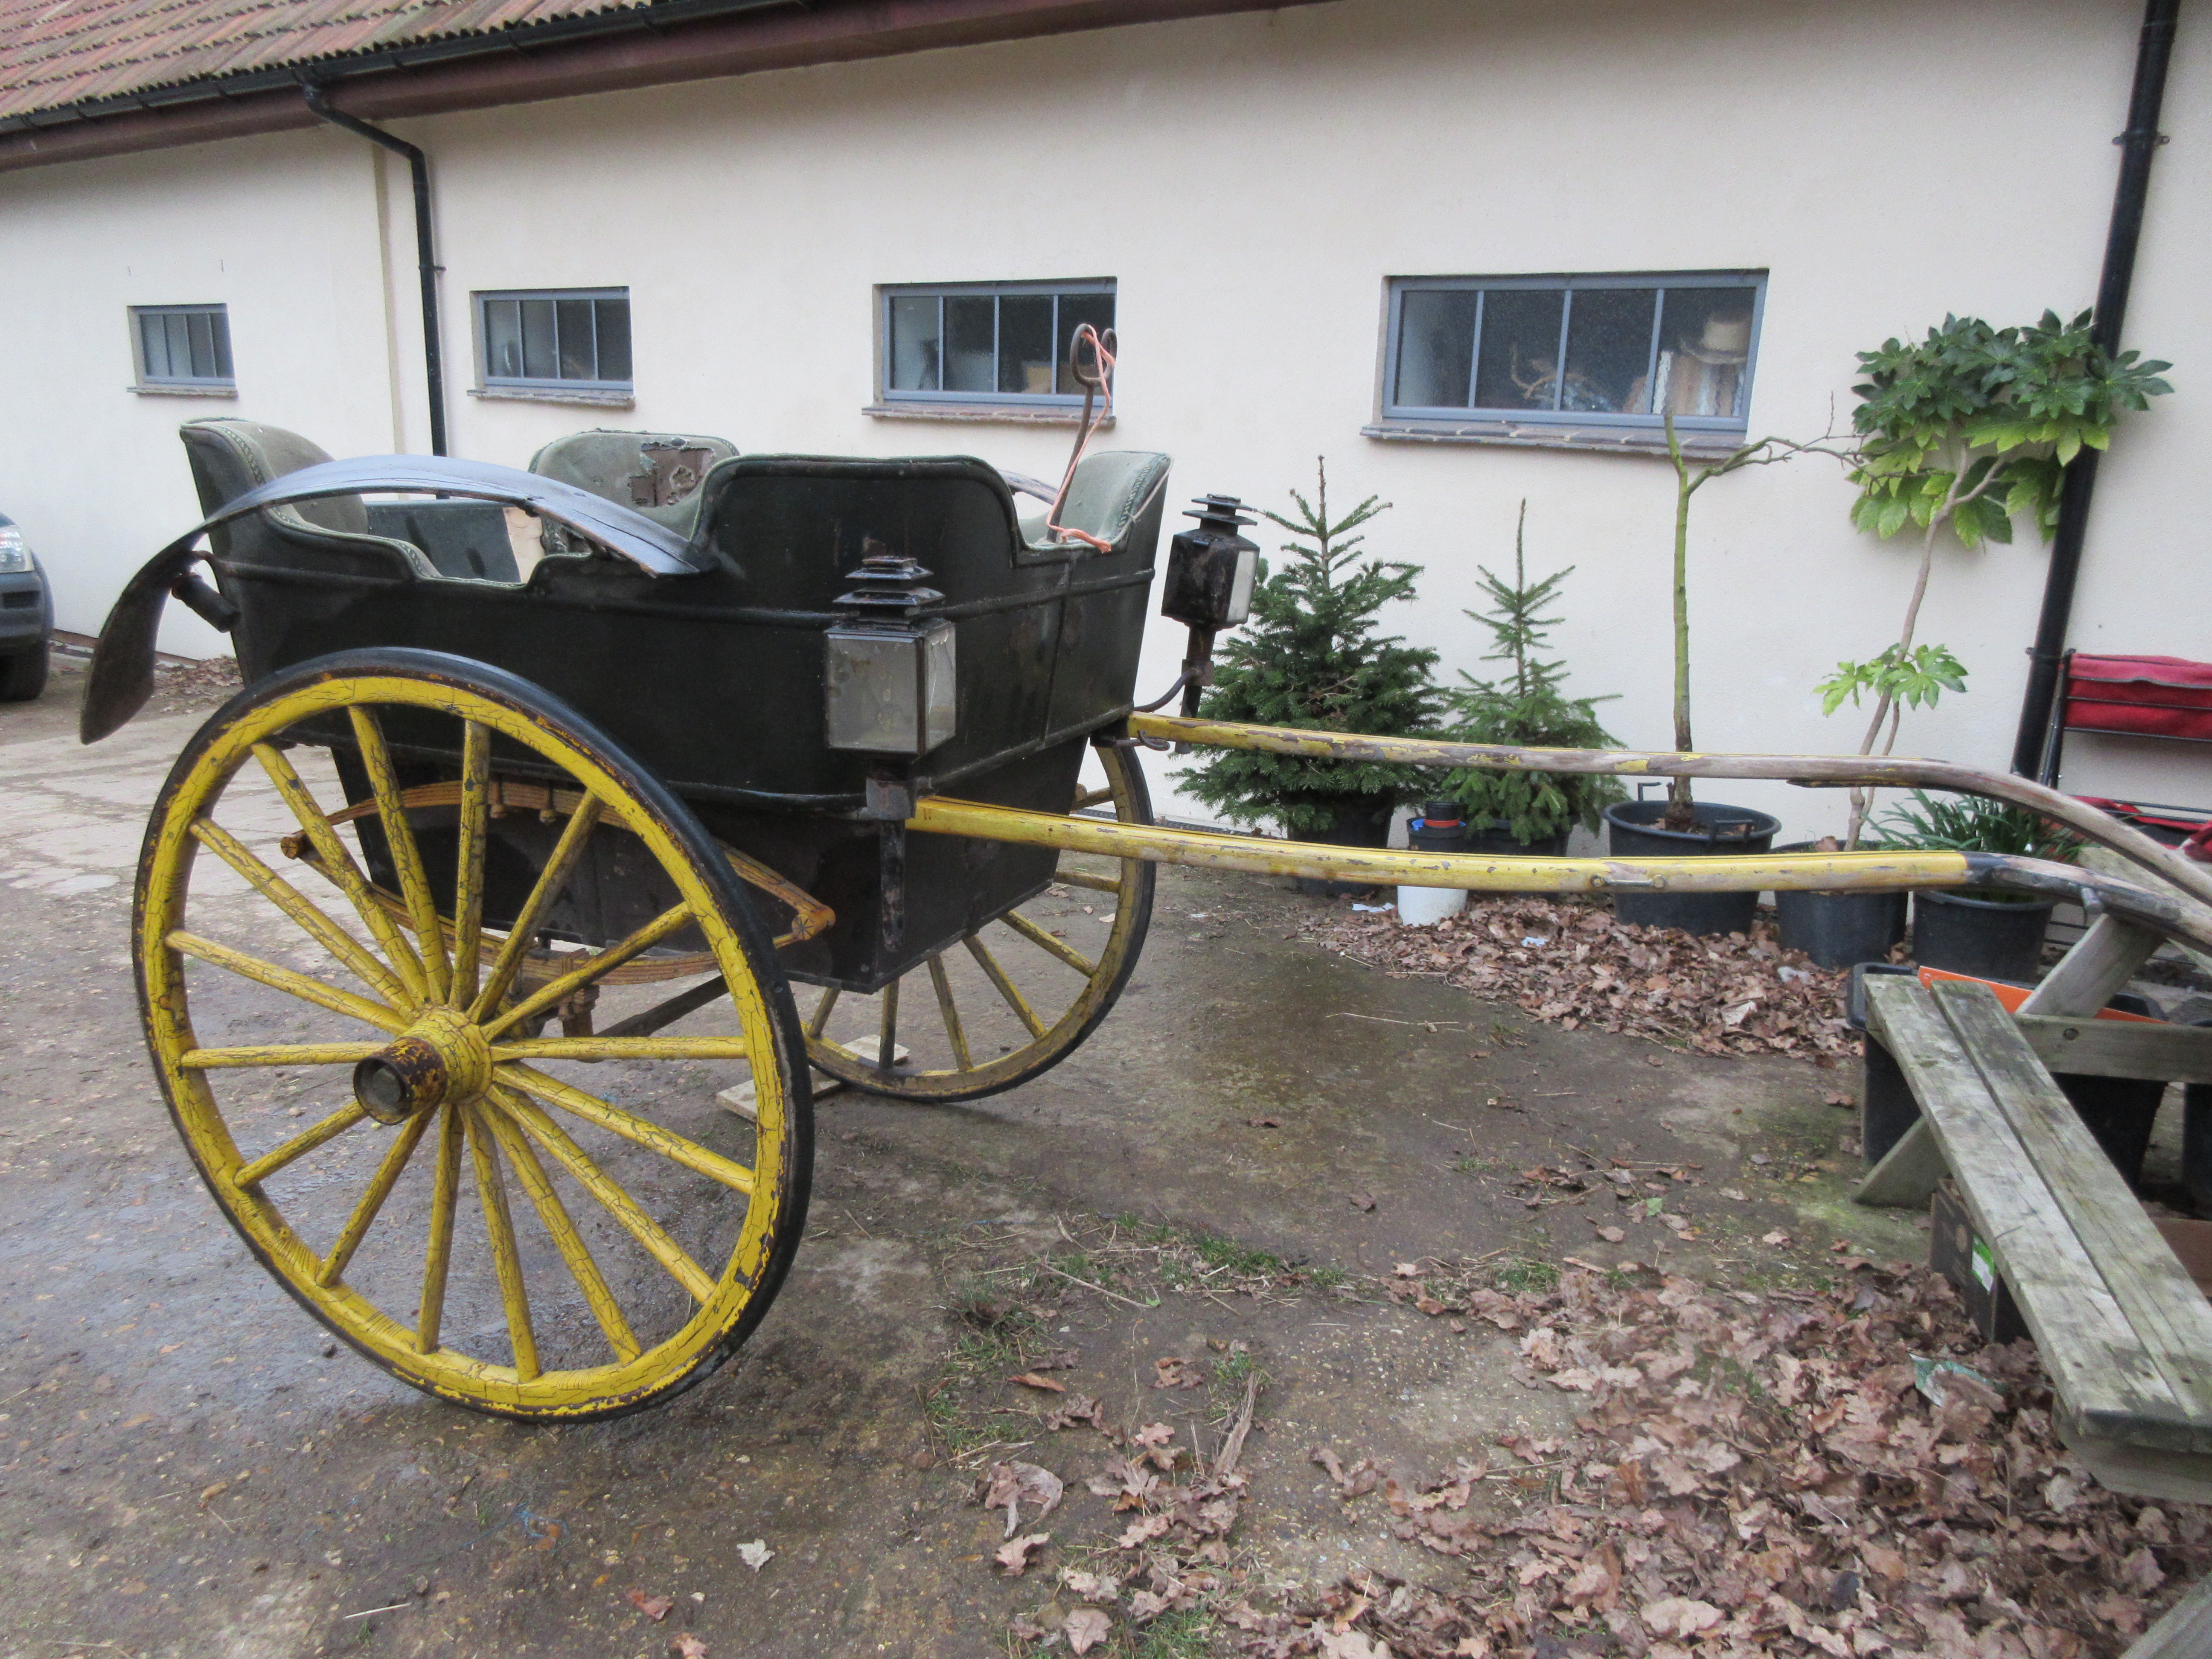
(22, 678)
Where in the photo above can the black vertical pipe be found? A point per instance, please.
(2137, 145)
(434, 366)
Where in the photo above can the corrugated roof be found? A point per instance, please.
(55, 53)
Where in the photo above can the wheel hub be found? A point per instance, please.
(442, 1056)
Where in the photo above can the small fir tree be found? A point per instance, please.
(1525, 707)
(1310, 657)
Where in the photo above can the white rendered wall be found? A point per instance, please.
(1250, 182)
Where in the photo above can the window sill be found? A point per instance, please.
(999, 414)
(152, 391)
(533, 394)
(1698, 446)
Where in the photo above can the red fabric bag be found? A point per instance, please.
(2140, 696)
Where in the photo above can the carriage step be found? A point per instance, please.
(739, 1097)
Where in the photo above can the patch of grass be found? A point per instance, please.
(1218, 1251)
(1325, 1278)
(1524, 1275)
(984, 1304)
(1176, 1635)
(1234, 1368)
(1472, 1165)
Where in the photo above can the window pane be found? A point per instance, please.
(203, 341)
(1095, 309)
(502, 325)
(1435, 347)
(1704, 347)
(579, 362)
(1609, 350)
(614, 339)
(219, 321)
(915, 347)
(539, 361)
(1026, 350)
(180, 333)
(1520, 349)
(153, 347)
(971, 345)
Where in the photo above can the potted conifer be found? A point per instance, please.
(1510, 811)
(1310, 655)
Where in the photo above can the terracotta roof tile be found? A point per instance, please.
(57, 53)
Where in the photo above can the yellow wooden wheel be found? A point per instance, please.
(1035, 981)
(536, 1226)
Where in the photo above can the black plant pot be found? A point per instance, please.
(1494, 838)
(1839, 930)
(1360, 821)
(1988, 938)
(1632, 831)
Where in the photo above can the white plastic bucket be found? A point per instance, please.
(1425, 906)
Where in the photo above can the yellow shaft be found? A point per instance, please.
(1477, 872)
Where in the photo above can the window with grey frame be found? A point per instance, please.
(1001, 342)
(1621, 351)
(182, 346)
(555, 339)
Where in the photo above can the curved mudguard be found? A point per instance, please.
(122, 676)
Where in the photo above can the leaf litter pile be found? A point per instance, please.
(1844, 1473)
(1568, 961)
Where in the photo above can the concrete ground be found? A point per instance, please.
(188, 1465)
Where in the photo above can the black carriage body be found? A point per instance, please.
(716, 680)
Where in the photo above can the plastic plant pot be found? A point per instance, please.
(1632, 831)
(1988, 938)
(1839, 929)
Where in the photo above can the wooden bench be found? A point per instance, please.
(2125, 1333)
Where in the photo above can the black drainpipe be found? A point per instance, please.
(433, 366)
(2137, 145)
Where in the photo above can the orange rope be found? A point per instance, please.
(1097, 384)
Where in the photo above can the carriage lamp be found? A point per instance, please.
(1209, 585)
(891, 671)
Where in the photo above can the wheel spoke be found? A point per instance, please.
(468, 866)
(618, 1203)
(550, 881)
(1044, 941)
(303, 910)
(371, 1200)
(283, 979)
(942, 981)
(406, 858)
(1092, 797)
(631, 1127)
(592, 967)
(438, 1259)
(290, 1054)
(507, 1260)
(887, 1029)
(1084, 878)
(554, 1216)
(252, 1175)
(820, 1022)
(606, 1048)
(1015, 1000)
(338, 865)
